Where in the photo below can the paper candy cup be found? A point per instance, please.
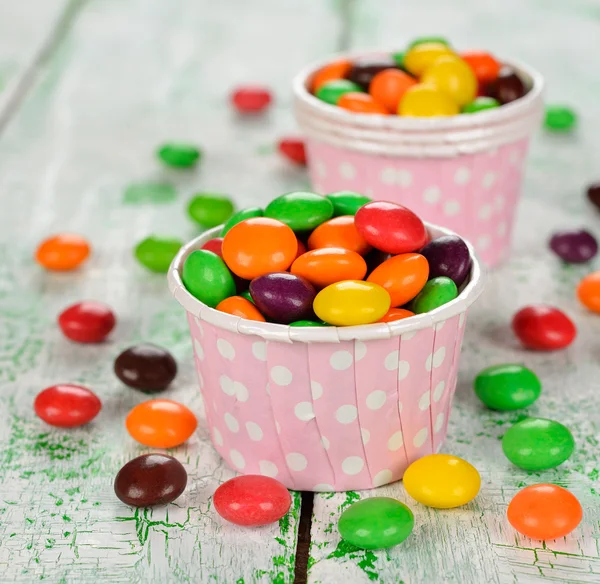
(327, 408)
(464, 172)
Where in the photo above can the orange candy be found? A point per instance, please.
(328, 265)
(339, 232)
(328, 73)
(301, 249)
(396, 314)
(485, 67)
(588, 292)
(258, 246)
(360, 103)
(63, 252)
(160, 423)
(239, 306)
(403, 276)
(544, 512)
(388, 87)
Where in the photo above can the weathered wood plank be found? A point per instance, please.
(476, 544)
(130, 74)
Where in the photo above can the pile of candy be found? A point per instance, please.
(428, 79)
(341, 260)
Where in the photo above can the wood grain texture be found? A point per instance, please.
(476, 544)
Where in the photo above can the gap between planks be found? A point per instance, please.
(303, 540)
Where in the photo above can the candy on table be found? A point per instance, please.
(240, 306)
(215, 245)
(332, 71)
(339, 232)
(146, 367)
(451, 75)
(347, 202)
(484, 66)
(559, 118)
(251, 99)
(301, 211)
(252, 500)
(293, 149)
(240, 216)
(361, 103)
(179, 155)
(507, 87)
(332, 91)
(538, 444)
(574, 247)
(325, 266)
(364, 69)
(448, 256)
(210, 209)
(207, 278)
(588, 292)
(283, 297)
(150, 479)
(593, 194)
(479, 104)
(87, 322)
(376, 523)
(544, 511)
(394, 314)
(389, 86)
(442, 481)
(66, 405)
(436, 292)
(63, 252)
(507, 387)
(160, 423)
(157, 253)
(425, 101)
(543, 328)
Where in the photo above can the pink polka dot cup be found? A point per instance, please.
(326, 408)
(464, 172)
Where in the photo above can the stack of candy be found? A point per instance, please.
(340, 260)
(428, 79)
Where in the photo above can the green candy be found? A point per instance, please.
(559, 118)
(206, 277)
(246, 294)
(157, 253)
(399, 58)
(480, 104)
(308, 323)
(302, 211)
(538, 444)
(179, 155)
(347, 202)
(210, 210)
(437, 292)
(331, 91)
(240, 216)
(376, 523)
(507, 387)
(428, 39)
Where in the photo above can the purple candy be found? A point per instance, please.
(448, 256)
(574, 247)
(283, 297)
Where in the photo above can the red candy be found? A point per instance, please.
(215, 245)
(252, 500)
(390, 227)
(293, 149)
(67, 406)
(87, 322)
(251, 99)
(543, 328)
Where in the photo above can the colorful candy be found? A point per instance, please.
(364, 70)
(150, 479)
(559, 118)
(335, 70)
(240, 216)
(179, 155)
(361, 103)
(62, 253)
(210, 210)
(325, 266)
(332, 91)
(66, 405)
(451, 75)
(544, 512)
(484, 66)
(157, 253)
(251, 99)
(351, 303)
(206, 277)
(428, 39)
(442, 481)
(283, 297)
(480, 104)
(301, 211)
(293, 149)
(507, 87)
(347, 202)
(543, 328)
(588, 292)
(242, 307)
(394, 314)
(376, 523)
(215, 245)
(258, 246)
(426, 101)
(422, 56)
(507, 387)
(339, 232)
(160, 423)
(389, 86)
(87, 322)
(448, 256)
(436, 292)
(574, 247)
(146, 367)
(538, 444)
(593, 194)
(252, 500)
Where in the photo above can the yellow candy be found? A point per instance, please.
(351, 302)
(423, 55)
(454, 77)
(442, 481)
(424, 101)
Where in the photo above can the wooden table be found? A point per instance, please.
(87, 91)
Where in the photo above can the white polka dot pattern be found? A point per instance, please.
(296, 461)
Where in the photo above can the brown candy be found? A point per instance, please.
(363, 70)
(150, 479)
(146, 367)
(593, 194)
(507, 87)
